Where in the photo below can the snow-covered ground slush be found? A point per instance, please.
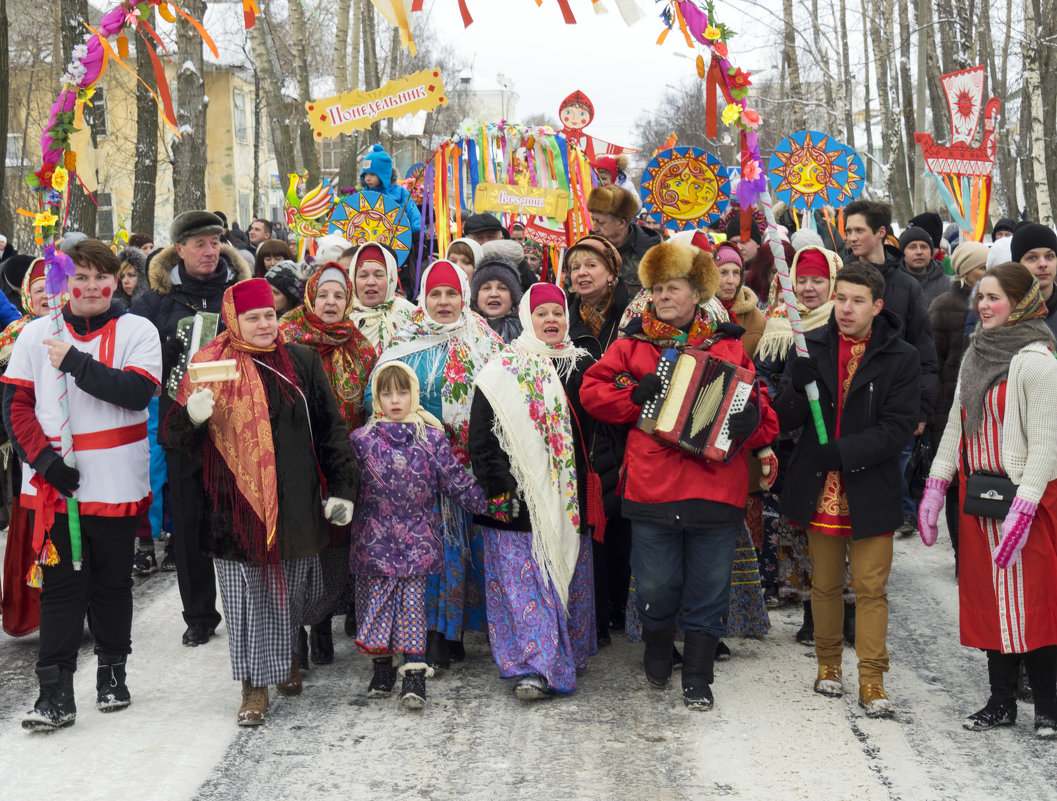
(770, 737)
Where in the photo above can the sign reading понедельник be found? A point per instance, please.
(333, 116)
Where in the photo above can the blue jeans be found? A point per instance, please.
(684, 572)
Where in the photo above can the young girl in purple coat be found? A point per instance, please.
(406, 461)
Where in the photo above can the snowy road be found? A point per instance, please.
(770, 737)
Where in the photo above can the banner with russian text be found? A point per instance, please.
(333, 116)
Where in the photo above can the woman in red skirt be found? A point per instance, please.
(1003, 421)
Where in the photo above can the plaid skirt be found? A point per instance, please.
(262, 622)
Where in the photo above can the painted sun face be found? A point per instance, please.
(687, 193)
(808, 173)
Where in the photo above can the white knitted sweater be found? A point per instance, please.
(1029, 431)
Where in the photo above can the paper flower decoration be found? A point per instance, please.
(712, 33)
(750, 118)
(731, 113)
(59, 179)
(44, 219)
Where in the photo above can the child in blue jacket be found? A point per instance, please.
(375, 176)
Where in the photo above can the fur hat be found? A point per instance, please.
(194, 223)
(496, 268)
(613, 200)
(670, 260)
(508, 249)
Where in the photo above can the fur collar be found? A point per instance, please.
(161, 266)
(744, 301)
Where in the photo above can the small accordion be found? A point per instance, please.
(698, 395)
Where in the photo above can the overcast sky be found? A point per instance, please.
(620, 68)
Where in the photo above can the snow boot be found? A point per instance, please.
(1042, 668)
(55, 708)
(384, 677)
(874, 700)
(413, 687)
(657, 657)
(437, 655)
(806, 634)
(1001, 707)
(254, 705)
(849, 624)
(111, 692)
(699, 653)
(456, 650)
(322, 639)
(293, 683)
(532, 687)
(829, 681)
(723, 653)
(301, 649)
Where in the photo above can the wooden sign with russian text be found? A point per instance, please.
(332, 116)
(553, 203)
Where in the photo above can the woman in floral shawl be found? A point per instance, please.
(526, 439)
(447, 344)
(323, 324)
(376, 309)
(21, 603)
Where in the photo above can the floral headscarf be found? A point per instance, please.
(379, 323)
(348, 357)
(10, 334)
(534, 426)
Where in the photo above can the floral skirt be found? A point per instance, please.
(528, 629)
(455, 597)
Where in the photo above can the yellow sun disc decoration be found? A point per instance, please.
(685, 187)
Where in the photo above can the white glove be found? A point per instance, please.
(200, 406)
(338, 511)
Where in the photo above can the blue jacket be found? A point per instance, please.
(379, 163)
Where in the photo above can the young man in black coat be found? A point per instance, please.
(846, 493)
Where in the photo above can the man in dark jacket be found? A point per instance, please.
(612, 210)
(866, 224)
(1035, 246)
(916, 244)
(846, 492)
(188, 277)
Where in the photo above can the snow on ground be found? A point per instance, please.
(770, 737)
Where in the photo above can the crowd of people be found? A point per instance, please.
(477, 452)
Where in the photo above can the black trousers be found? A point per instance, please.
(1004, 669)
(104, 584)
(194, 572)
(612, 564)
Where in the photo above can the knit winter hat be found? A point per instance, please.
(545, 293)
(933, 225)
(330, 248)
(1031, 236)
(253, 293)
(726, 253)
(915, 234)
(1000, 252)
(496, 268)
(378, 162)
(283, 276)
(1003, 224)
(600, 246)
(967, 257)
(734, 230)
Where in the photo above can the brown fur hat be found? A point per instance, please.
(613, 200)
(674, 259)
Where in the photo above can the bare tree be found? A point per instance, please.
(306, 139)
(146, 167)
(189, 151)
(268, 71)
(6, 222)
(892, 149)
(792, 65)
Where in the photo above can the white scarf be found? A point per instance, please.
(416, 416)
(379, 323)
(534, 427)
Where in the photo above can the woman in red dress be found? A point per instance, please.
(1003, 421)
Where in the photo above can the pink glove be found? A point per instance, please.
(768, 467)
(929, 509)
(1014, 533)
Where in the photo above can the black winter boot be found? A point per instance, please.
(322, 639)
(1001, 707)
(657, 657)
(301, 649)
(55, 708)
(413, 687)
(806, 634)
(437, 650)
(1041, 665)
(699, 651)
(350, 616)
(849, 624)
(384, 677)
(111, 692)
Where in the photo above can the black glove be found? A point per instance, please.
(827, 457)
(648, 386)
(803, 372)
(64, 478)
(172, 350)
(743, 423)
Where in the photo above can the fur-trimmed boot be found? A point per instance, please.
(657, 657)
(55, 708)
(111, 692)
(254, 705)
(384, 677)
(699, 653)
(413, 687)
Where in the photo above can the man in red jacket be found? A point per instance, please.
(685, 511)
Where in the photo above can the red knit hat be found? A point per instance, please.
(812, 262)
(545, 293)
(443, 273)
(254, 293)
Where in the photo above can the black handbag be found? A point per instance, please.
(918, 465)
(989, 495)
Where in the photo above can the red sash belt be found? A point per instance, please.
(110, 438)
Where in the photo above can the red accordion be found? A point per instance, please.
(698, 395)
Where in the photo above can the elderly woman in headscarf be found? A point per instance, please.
(527, 431)
(447, 344)
(21, 603)
(376, 308)
(784, 560)
(323, 324)
(265, 439)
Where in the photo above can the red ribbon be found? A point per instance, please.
(47, 502)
